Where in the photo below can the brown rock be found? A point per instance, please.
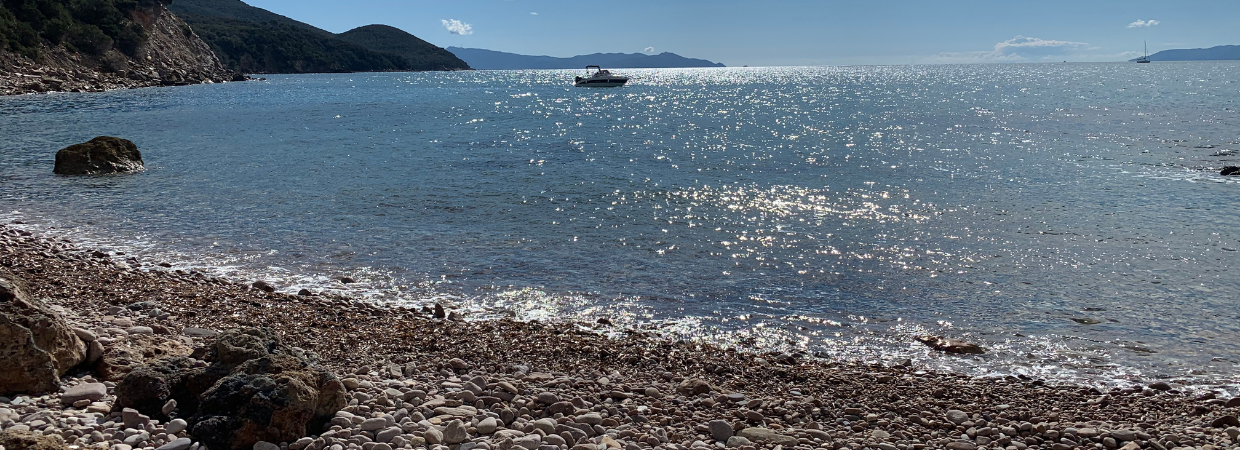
(693, 386)
(36, 344)
(104, 154)
(136, 350)
(767, 435)
(25, 440)
(278, 395)
(943, 344)
(1225, 421)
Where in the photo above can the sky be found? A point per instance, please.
(797, 32)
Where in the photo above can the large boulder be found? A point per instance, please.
(136, 350)
(37, 346)
(255, 388)
(282, 401)
(104, 154)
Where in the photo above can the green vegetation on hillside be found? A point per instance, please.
(254, 40)
(275, 47)
(421, 54)
(88, 26)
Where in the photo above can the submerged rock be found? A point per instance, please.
(943, 344)
(104, 154)
(37, 346)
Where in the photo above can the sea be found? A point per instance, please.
(1068, 217)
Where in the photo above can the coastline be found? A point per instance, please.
(637, 379)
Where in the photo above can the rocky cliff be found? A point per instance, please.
(169, 53)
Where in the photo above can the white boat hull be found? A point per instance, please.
(601, 83)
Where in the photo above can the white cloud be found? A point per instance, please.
(457, 27)
(1030, 47)
(1018, 49)
(533, 13)
(648, 50)
(1143, 23)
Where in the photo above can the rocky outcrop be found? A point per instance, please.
(254, 389)
(1230, 171)
(134, 351)
(171, 55)
(37, 346)
(281, 401)
(104, 154)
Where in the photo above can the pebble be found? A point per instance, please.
(548, 398)
(264, 445)
(178, 444)
(720, 430)
(956, 416)
(175, 426)
(84, 335)
(91, 392)
(386, 434)
(374, 424)
(199, 332)
(455, 433)
(488, 425)
(433, 436)
(737, 441)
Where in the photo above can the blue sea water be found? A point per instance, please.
(1069, 217)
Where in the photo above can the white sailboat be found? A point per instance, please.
(1146, 58)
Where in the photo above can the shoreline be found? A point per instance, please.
(819, 404)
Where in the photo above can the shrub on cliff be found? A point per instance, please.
(88, 26)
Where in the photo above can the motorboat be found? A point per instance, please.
(600, 78)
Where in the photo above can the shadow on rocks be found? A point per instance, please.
(245, 386)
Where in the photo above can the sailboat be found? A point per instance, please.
(1145, 59)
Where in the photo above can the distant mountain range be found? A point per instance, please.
(1222, 52)
(493, 60)
(254, 40)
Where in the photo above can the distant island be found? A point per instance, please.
(1219, 53)
(253, 40)
(492, 60)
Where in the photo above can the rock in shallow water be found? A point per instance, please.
(104, 154)
(947, 345)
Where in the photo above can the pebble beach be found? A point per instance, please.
(428, 378)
